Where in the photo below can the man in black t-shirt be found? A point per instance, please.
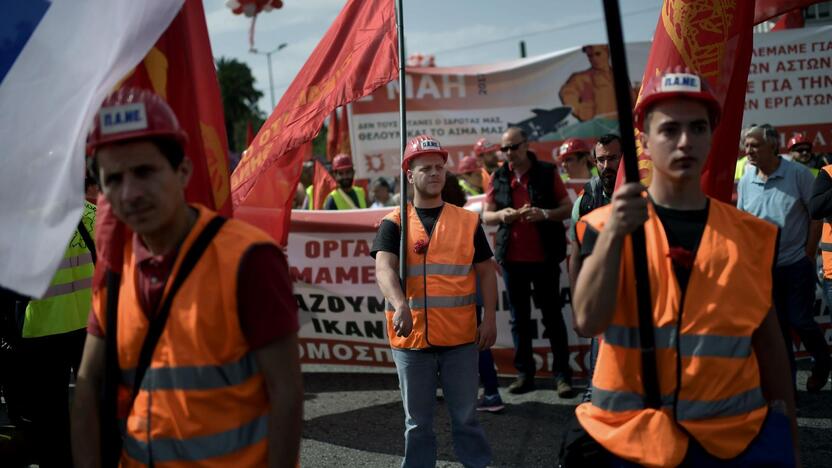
(432, 326)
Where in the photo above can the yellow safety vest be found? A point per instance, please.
(310, 195)
(469, 189)
(344, 202)
(66, 304)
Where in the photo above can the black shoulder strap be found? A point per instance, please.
(110, 433)
(157, 325)
(87, 239)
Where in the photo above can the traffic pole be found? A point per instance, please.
(647, 339)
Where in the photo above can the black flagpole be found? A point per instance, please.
(647, 339)
(402, 143)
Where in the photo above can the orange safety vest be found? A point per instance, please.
(707, 369)
(486, 179)
(826, 239)
(441, 282)
(203, 399)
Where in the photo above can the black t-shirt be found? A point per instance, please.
(684, 228)
(387, 237)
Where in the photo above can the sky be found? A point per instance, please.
(456, 32)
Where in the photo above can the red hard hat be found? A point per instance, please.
(341, 162)
(573, 145)
(482, 146)
(676, 84)
(420, 146)
(132, 114)
(799, 139)
(469, 164)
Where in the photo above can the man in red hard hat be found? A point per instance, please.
(433, 328)
(722, 369)
(201, 320)
(346, 196)
(575, 156)
(800, 150)
(490, 158)
(470, 176)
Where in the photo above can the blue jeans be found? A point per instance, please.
(456, 370)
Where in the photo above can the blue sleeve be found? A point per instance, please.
(740, 189)
(805, 182)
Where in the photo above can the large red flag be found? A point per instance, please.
(332, 136)
(180, 69)
(356, 55)
(714, 39)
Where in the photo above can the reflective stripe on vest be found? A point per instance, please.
(195, 377)
(691, 345)
(198, 448)
(708, 371)
(438, 301)
(687, 410)
(439, 269)
(67, 288)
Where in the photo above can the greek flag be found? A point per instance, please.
(58, 60)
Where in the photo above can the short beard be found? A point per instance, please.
(608, 182)
(345, 183)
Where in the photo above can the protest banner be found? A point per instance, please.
(569, 94)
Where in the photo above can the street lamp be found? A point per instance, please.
(269, 61)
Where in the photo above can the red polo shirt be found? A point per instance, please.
(524, 242)
(265, 301)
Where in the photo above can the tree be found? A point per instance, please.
(239, 101)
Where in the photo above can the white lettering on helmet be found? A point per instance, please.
(429, 145)
(563, 148)
(123, 118)
(685, 82)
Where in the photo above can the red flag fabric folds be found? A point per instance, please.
(324, 184)
(180, 69)
(356, 55)
(332, 136)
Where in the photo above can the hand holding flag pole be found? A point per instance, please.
(615, 36)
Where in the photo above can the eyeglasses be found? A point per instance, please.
(514, 147)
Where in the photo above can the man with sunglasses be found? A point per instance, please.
(800, 151)
(528, 200)
(779, 191)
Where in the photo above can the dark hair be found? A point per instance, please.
(170, 149)
(605, 140)
(522, 132)
(452, 192)
(380, 182)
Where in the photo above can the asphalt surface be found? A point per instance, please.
(354, 418)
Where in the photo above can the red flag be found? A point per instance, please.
(713, 39)
(765, 10)
(344, 133)
(249, 133)
(356, 55)
(180, 69)
(324, 184)
(332, 135)
(790, 20)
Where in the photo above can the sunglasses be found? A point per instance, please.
(513, 147)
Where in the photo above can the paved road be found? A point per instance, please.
(355, 418)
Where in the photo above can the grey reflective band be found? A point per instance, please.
(690, 345)
(826, 246)
(613, 401)
(715, 346)
(439, 269)
(741, 403)
(196, 377)
(66, 288)
(76, 261)
(201, 447)
(437, 301)
(627, 337)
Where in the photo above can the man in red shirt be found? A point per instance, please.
(528, 200)
(225, 366)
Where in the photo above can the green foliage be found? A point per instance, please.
(239, 101)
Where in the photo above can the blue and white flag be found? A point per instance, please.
(58, 61)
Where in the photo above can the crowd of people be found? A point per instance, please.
(190, 351)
